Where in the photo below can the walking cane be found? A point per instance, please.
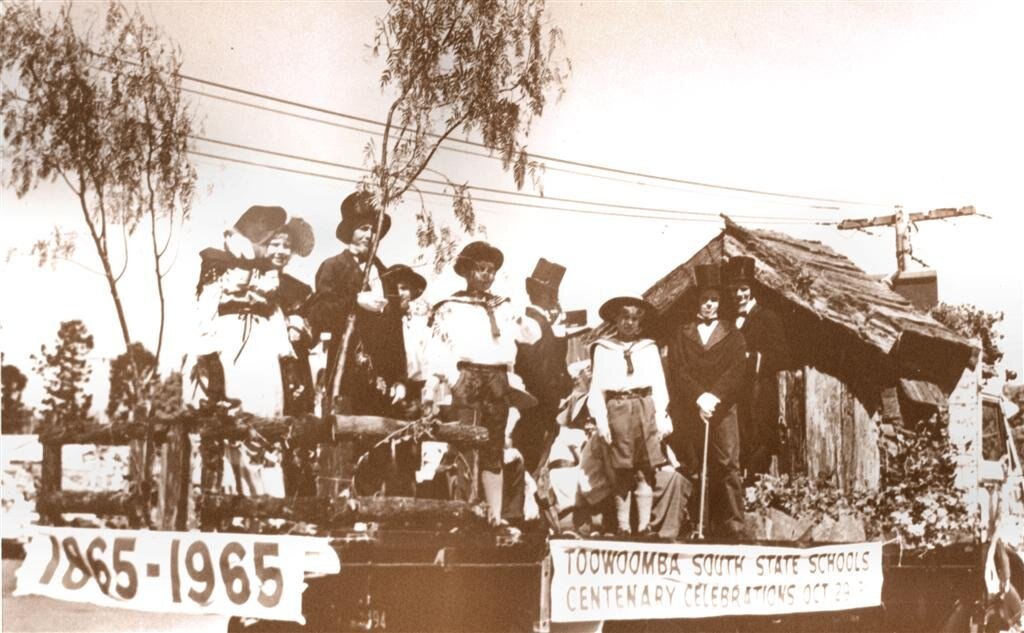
(703, 478)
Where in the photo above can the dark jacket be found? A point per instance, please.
(695, 369)
(376, 349)
(763, 332)
(296, 375)
(338, 281)
(542, 365)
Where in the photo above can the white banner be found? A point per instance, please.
(614, 580)
(249, 575)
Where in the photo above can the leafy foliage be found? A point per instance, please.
(123, 398)
(65, 371)
(475, 67)
(17, 418)
(104, 113)
(917, 500)
(971, 321)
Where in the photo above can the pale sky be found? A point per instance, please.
(891, 103)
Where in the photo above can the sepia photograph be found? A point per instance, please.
(511, 315)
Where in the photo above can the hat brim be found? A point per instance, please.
(259, 223)
(477, 252)
(416, 282)
(301, 235)
(609, 310)
(349, 225)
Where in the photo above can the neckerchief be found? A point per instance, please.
(627, 349)
(486, 301)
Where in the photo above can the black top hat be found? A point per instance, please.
(609, 311)
(546, 278)
(356, 210)
(709, 276)
(259, 223)
(300, 234)
(740, 270)
(477, 252)
(402, 273)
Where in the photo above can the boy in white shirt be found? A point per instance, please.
(470, 354)
(629, 403)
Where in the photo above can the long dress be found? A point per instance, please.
(239, 342)
(242, 332)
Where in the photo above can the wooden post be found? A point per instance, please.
(140, 466)
(211, 454)
(337, 459)
(50, 479)
(175, 480)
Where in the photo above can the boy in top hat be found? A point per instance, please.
(706, 360)
(471, 352)
(766, 355)
(629, 403)
(339, 291)
(541, 362)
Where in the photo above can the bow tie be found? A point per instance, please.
(743, 313)
(706, 321)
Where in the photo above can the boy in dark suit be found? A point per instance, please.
(706, 360)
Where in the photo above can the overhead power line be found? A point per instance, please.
(490, 156)
(544, 157)
(520, 194)
(664, 218)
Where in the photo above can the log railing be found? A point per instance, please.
(172, 435)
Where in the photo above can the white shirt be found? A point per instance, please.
(705, 330)
(744, 311)
(415, 334)
(461, 331)
(531, 332)
(610, 373)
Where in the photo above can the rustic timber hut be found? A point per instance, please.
(860, 354)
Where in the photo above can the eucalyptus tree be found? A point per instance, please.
(102, 112)
(477, 68)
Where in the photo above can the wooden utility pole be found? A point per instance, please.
(901, 221)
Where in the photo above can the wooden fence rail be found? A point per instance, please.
(171, 436)
(340, 511)
(299, 431)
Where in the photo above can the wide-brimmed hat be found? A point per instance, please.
(476, 252)
(610, 309)
(391, 277)
(739, 270)
(259, 223)
(546, 278)
(358, 209)
(300, 234)
(708, 276)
